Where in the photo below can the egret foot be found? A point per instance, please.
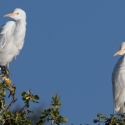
(5, 71)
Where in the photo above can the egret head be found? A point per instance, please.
(121, 51)
(17, 14)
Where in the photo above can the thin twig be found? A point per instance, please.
(12, 102)
(23, 108)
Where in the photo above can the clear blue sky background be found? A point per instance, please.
(68, 50)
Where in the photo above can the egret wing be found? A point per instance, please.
(6, 32)
(118, 78)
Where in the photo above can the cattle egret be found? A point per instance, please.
(12, 36)
(118, 81)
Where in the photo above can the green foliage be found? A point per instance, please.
(118, 119)
(52, 113)
(27, 97)
(20, 117)
(7, 117)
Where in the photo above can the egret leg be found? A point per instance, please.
(4, 70)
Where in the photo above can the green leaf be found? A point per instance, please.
(36, 97)
(95, 120)
(42, 117)
(104, 118)
(4, 93)
(23, 93)
(1, 91)
(53, 95)
(111, 115)
(64, 120)
(3, 121)
(49, 110)
(23, 98)
(99, 115)
(52, 116)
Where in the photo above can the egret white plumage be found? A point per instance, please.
(12, 36)
(118, 81)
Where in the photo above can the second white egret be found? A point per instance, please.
(118, 81)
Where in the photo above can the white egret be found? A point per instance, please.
(118, 81)
(12, 36)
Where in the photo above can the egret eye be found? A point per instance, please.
(17, 13)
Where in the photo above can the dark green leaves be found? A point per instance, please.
(118, 119)
(29, 96)
(99, 115)
(16, 119)
(23, 93)
(36, 97)
(20, 117)
(53, 113)
(7, 117)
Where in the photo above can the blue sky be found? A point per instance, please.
(68, 50)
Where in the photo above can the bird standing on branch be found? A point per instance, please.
(12, 36)
(118, 81)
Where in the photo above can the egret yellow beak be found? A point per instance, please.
(119, 52)
(10, 15)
